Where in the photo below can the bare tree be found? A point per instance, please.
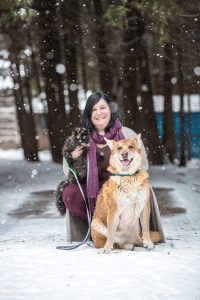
(25, 117)
(182, 115)
(168, 118)
(69, 12)
(52, 72)
(148, 116)
(131, 44)
(103, 59)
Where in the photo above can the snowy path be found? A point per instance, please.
(32, 268)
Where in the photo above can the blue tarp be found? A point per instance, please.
(195, 131)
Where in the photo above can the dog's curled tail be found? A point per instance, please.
(58, 197)
(156, 237)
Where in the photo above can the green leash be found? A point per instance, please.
(73, 172)
(71, 247)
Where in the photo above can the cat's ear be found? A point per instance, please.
(76, 130)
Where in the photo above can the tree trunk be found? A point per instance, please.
(103, 59)
(34, 63)
(32, 140)
(49, 47)
(131, 38)
(149, 124)
(25, 119)
(83, 62)
(69, 8)
(168, 126)
(181, 93)
(189, 128)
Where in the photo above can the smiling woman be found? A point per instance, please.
(103, 123)
(101, 116)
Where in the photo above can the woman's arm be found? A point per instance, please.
(73, 155)
(65, 168)
(129, 134)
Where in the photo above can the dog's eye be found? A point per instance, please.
(119, 148)
(130, 147)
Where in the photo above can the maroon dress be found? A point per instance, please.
(72, 196)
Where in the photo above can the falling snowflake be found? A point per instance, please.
(60, 68)
(144, 88)
(50, 55)
(73, 87)
(34, 172)
(173, 80)
(197, 70)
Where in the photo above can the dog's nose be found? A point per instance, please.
(125, 154)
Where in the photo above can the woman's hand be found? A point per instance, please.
(77, 152)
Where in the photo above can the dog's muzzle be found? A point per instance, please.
(126, 162)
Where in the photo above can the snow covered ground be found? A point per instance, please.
(30, 229)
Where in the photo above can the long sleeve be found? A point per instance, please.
(65, 169)
(129, 134)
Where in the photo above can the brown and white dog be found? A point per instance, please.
(122, 213)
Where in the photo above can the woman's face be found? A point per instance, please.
(101, 115)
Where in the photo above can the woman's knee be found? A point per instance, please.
(73, 200)
(68, 194)
(72, 195)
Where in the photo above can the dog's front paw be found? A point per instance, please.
(148, 245)
(104, 250)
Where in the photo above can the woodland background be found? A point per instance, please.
(131, 50)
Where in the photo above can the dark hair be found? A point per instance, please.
(91, 101)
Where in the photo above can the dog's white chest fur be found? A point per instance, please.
(131, 203)
(130, 196)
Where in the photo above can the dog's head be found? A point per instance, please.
(126, 155)
(82, 136)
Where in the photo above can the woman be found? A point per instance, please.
(102, 120)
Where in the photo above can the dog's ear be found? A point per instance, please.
(110, 143)
(139, 141)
